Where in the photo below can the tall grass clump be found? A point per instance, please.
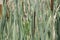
(29, 20)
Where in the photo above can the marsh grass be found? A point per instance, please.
(28, 20)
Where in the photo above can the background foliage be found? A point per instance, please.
(30, 20)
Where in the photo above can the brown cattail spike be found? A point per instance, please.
(51, 5)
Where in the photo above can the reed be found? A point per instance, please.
(29, 20)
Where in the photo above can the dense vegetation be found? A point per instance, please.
(30, 20)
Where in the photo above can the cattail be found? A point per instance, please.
(51, 4)
(0, 11)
